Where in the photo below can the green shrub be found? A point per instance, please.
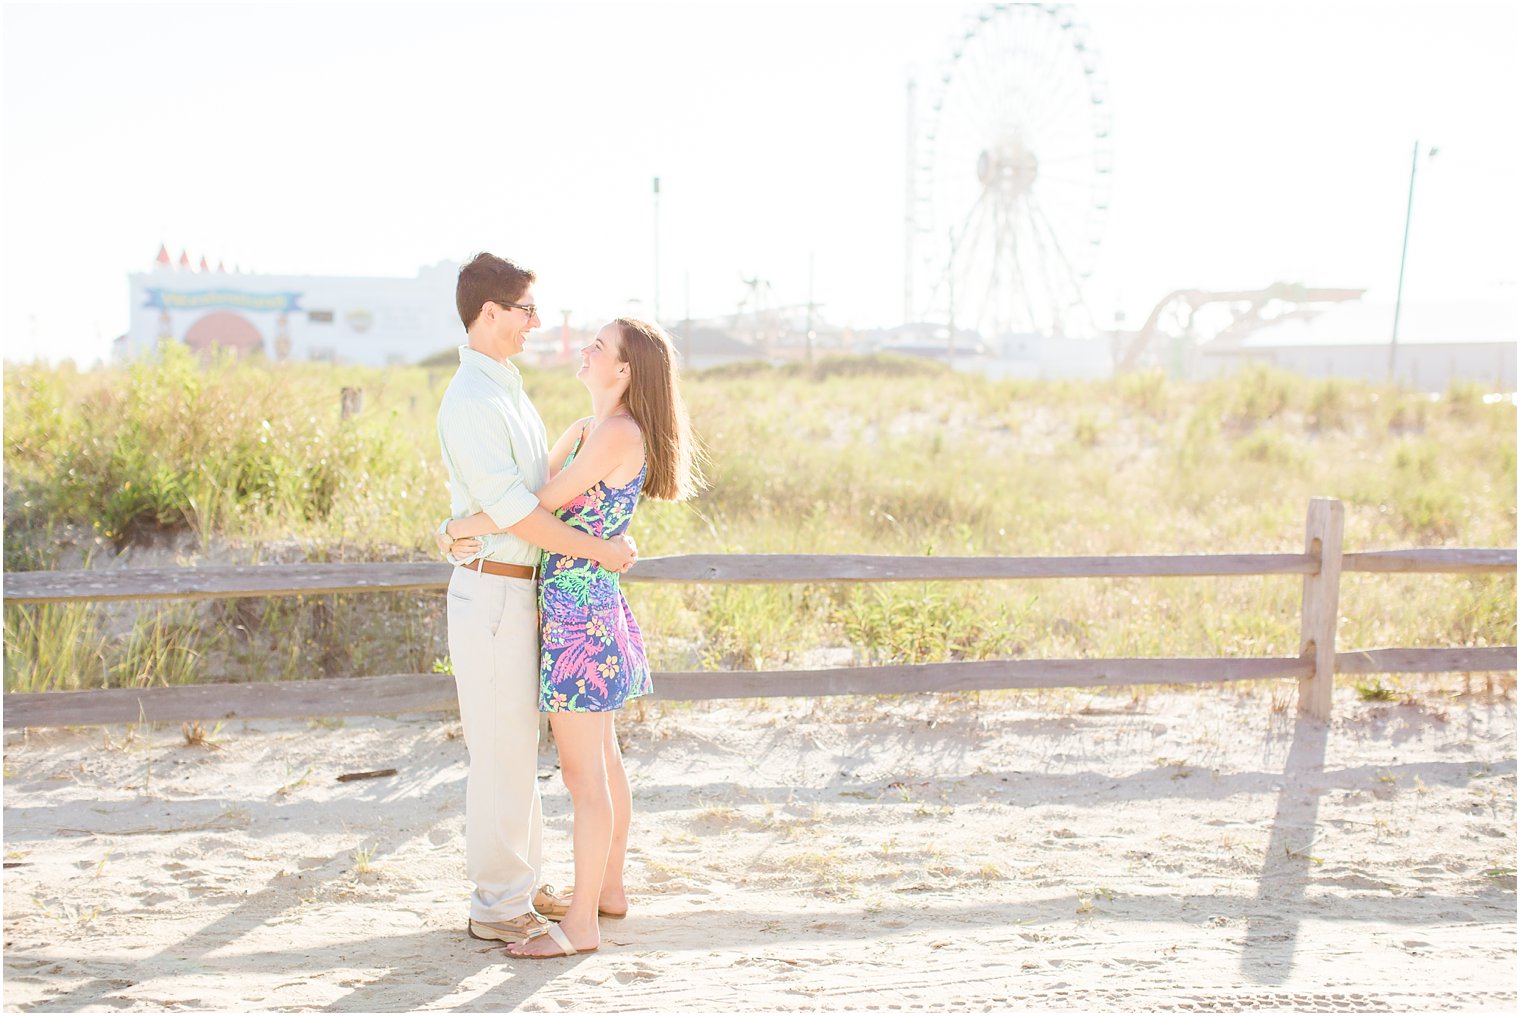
(1330, 405)
(922, 624)
(1259, 393)
(1146, 391)
(1270, 447)
(1086, 431)
(233, 447)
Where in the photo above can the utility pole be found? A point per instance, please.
(1398, 300)
(950, 290)
(686, 319)
(910, 203)
(810, 309)
(656, 250)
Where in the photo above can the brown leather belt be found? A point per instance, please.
(516, 571)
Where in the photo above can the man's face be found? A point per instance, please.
(511, 324)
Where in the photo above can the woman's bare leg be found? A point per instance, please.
(614, 899)
(580, 737)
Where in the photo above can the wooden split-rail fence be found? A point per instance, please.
(1321, 564)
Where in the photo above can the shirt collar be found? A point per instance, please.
(504, 373)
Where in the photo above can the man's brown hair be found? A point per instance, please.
(488, 277)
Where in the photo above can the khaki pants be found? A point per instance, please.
(493, 642)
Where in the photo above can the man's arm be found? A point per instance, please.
(476, 442)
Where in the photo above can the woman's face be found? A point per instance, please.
(602, 364)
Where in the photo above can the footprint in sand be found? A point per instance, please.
(640, 972)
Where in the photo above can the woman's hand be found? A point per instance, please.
(458, 549)
(620, 554)
(469, 546)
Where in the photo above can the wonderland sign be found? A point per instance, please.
(163, 299)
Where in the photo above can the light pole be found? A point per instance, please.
(1398, 299)
(656, 250)
(810, 332)
(950, 292)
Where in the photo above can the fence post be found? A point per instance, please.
(1321, 606)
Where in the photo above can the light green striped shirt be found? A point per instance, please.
(495, 449)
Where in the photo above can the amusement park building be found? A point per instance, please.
(1440, 343)
(332, 319)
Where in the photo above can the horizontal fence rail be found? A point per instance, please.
(422, 693)
(1426, 661)
(1321, 565)
(405, 693)
(427, 576)
(1449, 560)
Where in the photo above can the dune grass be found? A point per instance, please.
(244, 462)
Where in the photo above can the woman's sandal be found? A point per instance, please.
(560, 939)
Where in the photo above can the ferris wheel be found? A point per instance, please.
(1009, 178)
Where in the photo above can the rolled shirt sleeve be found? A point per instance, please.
(476, 440)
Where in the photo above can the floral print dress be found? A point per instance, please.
(592, 651)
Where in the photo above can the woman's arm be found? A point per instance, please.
(616, 444)
(561, 449)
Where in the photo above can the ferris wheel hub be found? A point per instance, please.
(1010, 169)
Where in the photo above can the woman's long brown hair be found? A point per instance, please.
(654, 401)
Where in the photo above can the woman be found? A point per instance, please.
(636, 439)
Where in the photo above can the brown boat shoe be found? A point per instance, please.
(562, 901)
(551, 903)
(518, 929)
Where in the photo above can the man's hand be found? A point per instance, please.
(619, 555)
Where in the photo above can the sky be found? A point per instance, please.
(1252, 143)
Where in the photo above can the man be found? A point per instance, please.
(496, 452)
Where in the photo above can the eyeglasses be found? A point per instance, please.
(531, 308)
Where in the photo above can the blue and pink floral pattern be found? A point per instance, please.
(593, 653)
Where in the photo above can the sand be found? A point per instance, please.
(1192, 850)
